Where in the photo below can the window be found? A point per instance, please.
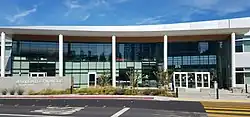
(247, 78)
(186, 60)
(246, 46)
(203, 47)
(194, 60)
(239, 78)
(212, 59)
(238, 46)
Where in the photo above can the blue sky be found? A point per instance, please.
(117, 12)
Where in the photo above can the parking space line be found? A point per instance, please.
(119, 113)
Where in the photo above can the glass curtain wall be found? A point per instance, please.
(192, 56)
(83, 58)
(28, 56)
(142, 58)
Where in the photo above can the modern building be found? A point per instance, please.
(220, 48)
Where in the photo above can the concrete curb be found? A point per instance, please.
(125, 97)
(76, 97)
(211, 100)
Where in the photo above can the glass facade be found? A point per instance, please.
(192, 55)
(28, 56)
(81, 58)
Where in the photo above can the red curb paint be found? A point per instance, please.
(76, 97)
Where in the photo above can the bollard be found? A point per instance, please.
(216, 90)
(217, 93)
(71, 89)
(246, 88)
(177, 92)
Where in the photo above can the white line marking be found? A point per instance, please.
(23, 115)
(117, 114)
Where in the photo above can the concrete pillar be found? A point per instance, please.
(114, 61)
(233, 75)
(2, 54)
(165, 52)
(60, 55)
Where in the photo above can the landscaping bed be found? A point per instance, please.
(106, 91)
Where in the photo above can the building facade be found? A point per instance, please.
(86, 52)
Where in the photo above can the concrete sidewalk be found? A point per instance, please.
(211, 100)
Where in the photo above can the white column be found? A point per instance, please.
(60, 55)
(113, 61)
(165, 52)
(233, 60)
(2, 54)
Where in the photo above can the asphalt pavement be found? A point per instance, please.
(99, 108)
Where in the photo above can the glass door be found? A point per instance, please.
(191, 80)
(184, 80)
(206, 80)
(92, 79)
(176, 80)
(198, 78)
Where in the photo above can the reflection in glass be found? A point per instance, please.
(183, 80)
(199, 80)
(177, 80)
(205, 80)
(191, 80)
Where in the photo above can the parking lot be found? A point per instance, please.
(17, 111)
(99, 108)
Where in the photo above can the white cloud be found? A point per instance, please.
(72, 4)
(20, 15)
(75, 6)
(152, 20)
(84, 18)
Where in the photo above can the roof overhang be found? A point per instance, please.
(227, 26)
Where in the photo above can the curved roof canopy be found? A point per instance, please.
(227, 26)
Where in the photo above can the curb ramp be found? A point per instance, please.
(227, 109)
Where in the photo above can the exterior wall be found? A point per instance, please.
(123, 39)
(35, 84)
(8, 50)
(140, 56)
(242, 60)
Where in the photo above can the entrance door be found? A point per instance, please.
(191, 79)
(92, 79)
(198, 79)
(206, 80)
(202, 79)
(180, 79)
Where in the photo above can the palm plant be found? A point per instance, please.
(134, 77)
(163, 77)
(104, 79)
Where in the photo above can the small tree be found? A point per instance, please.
(104, 79)
(134, 77)
(163, 77)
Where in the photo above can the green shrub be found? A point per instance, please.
(146, 92)
(4, 91)
(12, 91)
(105, 91)
(131, 92)
(119, 91)
(109, 91)
(20, 91)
